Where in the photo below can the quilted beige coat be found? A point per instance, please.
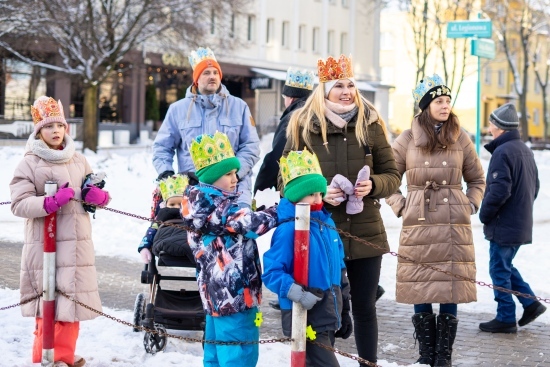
(75, 258)
(436, 218)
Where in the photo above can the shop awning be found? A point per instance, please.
(273, 74)
(281, 75)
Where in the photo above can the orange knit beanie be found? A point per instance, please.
(199, 68)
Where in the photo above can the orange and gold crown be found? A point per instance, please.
(46, 107)
(333, 69)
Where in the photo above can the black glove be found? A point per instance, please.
(164, 175)
(347, 326)
(193, 179)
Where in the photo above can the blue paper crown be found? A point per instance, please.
(199, 55)
(300, 78)
(428, 83)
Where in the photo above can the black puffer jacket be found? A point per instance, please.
(171, 239)
(512, 187)
(267, 176)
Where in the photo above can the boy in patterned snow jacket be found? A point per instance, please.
(223, 242)
(326, 297)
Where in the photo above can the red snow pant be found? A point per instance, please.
(65, 335)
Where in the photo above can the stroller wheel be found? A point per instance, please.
(139, 311)
(155, 343)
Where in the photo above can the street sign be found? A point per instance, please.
(483, 48)
(470, 28)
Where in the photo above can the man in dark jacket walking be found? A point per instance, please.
(298, 86)
(507, 215)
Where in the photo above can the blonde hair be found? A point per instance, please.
(315, 108)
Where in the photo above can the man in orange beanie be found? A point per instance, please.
(207, 107)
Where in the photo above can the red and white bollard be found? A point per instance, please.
(48, 280)
(301, 270)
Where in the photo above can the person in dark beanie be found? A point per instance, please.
(298, 86)
(507, 217)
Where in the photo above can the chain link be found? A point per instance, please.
(344, 354)
(21, 303)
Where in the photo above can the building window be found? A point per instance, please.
(536, 117)
(285, 35)
(386, 41)
(302, 38)
(251, 28)
(315, 40)
(488, 73)
(386, 75)
(330, 42)
(232, 26)
(212, 22)
(501, 78)
(332, 2)
(345, 3)
(344, 49)
(537, 86)
(270, 34)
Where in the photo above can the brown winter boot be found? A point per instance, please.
(446, 333)
(78, 361)
(424, 331)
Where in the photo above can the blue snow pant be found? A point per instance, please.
(505, 275)
(232, 328)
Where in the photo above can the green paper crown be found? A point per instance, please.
(173, 186)
(298, 163)
(207, 150)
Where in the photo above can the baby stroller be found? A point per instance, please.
(164, 309)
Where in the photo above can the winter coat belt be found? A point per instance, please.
(433, 186)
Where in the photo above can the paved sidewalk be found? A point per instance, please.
(119, 283)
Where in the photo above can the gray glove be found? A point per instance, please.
(297, 294)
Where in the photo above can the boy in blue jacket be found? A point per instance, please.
(222, 238)
(327, 295)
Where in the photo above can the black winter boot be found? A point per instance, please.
(424, 330)
(446, 333)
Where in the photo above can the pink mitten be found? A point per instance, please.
(342, 183)
(145, 255)
(94, 195)
(61, 197)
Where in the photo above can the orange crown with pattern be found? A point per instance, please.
(333, 69)
(46, 110)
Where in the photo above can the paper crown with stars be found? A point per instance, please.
(302, 175)
(201, 59)
(429, 89)
(46, 110)
(173, 186)
(213, 157)
(299, 83)
(333, 69)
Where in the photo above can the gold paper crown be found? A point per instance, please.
(298, 163)
(210, 149)
(48, 110)
(173, 186)
(334, 69)
(199, 55)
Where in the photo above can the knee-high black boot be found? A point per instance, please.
(446, 333)
(424, 329)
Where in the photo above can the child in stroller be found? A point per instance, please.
(165, 238)
(167, 242)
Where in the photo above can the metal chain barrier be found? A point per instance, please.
(393, 253)
(21, 303)
(187, 339)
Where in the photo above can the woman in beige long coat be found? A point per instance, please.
(50, 156)
(436, 155)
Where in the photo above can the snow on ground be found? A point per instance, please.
(130, 181)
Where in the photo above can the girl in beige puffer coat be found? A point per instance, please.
(50, 156)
